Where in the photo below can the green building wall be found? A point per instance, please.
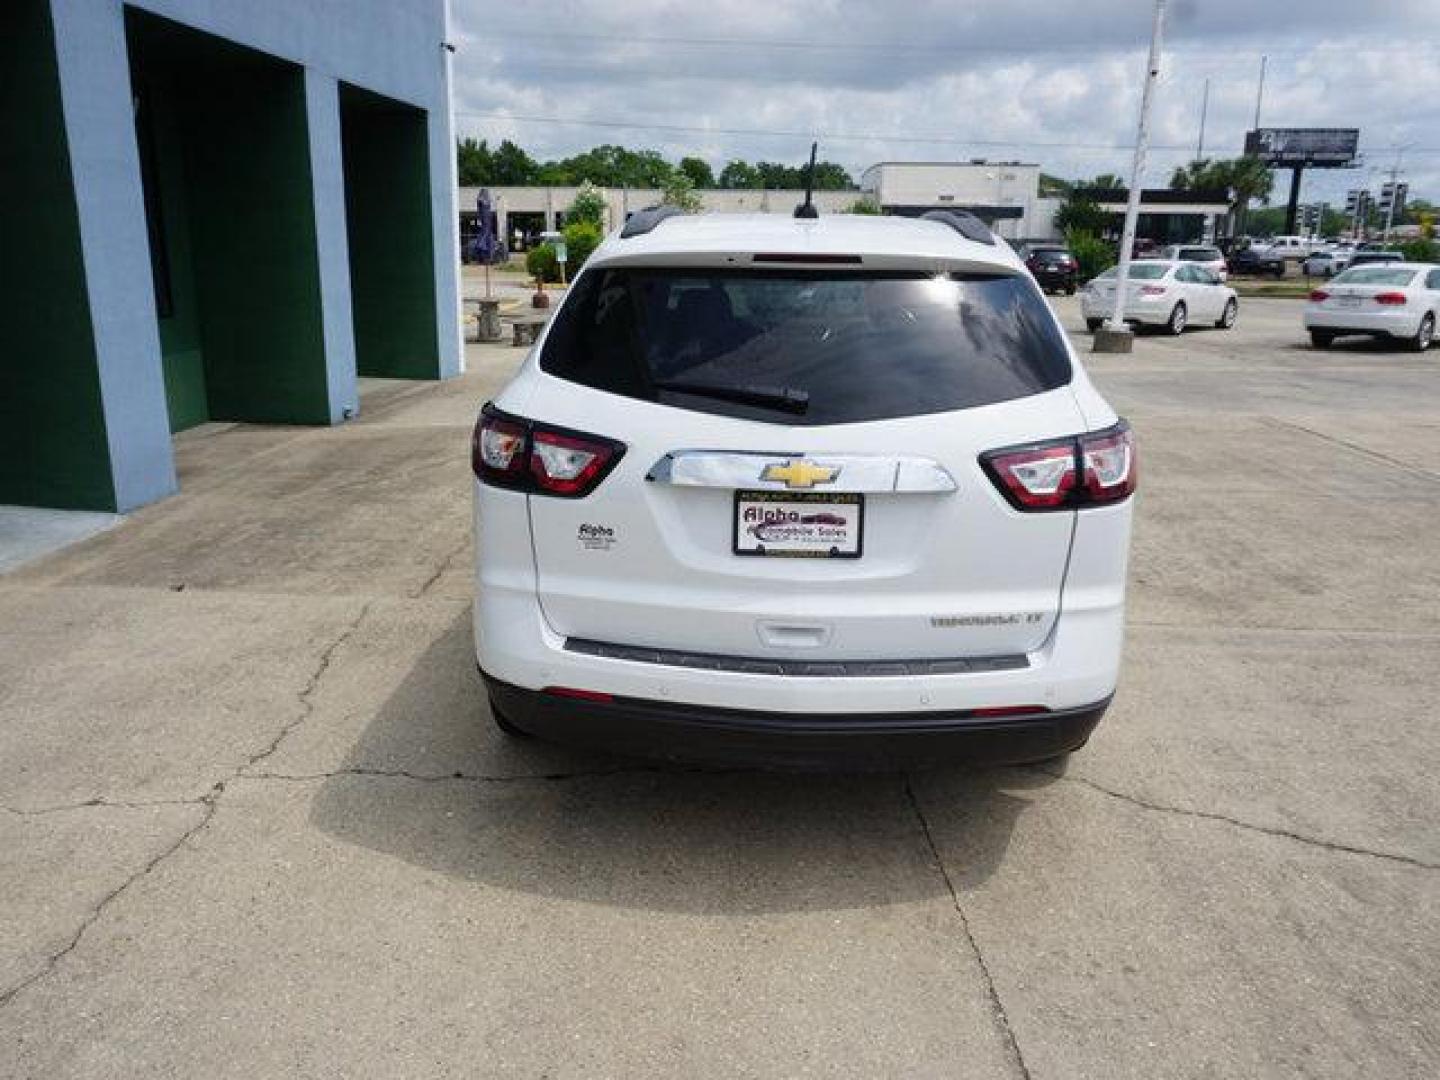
(53, 449)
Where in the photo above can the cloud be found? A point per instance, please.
(932, 79)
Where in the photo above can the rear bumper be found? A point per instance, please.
(1404, 323)
(868, 741)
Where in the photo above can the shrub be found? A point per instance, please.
(581, 238)
(1427, 251)
(1093, 254)
(863, 205)
(589, 205)
(679, 190)
(540, 262)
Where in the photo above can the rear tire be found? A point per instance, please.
(1175, 325)
(1227, 317)
(1070, 289)
(1424, 335)
(1321, 339)
(1093, 324)
(504, 724)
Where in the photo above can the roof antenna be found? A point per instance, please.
(807, 208)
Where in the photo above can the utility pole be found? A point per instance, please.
(1115, 336)
(1260, 92)
(1204, 108)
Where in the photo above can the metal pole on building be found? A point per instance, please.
(447, 63)
(1204, 108)
(1117, 331)
(1260, 92)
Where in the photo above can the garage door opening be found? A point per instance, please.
(390, 234)
(222, 136)
(53, 446)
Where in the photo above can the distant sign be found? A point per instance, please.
(1323, 147)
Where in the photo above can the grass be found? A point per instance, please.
(1294, 289)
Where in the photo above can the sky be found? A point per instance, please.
(1056, 83)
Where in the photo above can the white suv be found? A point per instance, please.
(802, 492)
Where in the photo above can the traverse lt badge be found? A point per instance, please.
(800, 473)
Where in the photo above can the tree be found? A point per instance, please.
(511, 166)
(740, 174)
(1081, 214)
(1244, 178)
(615, 166)
(677, 190)
(473, 163)
(699, 171)
(830, 177)
(1053, 186)
(589, 206)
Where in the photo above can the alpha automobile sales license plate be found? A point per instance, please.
(805, 525)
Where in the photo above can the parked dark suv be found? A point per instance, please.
(1252, 260)
(1054, 268)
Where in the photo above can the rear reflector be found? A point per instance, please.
(1391, 298)
(1010, 710)
(1066, 474)
(580, 695)
(512, 452)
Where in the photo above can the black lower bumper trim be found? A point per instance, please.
(869, 741)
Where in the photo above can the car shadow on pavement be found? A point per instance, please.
(572, 825)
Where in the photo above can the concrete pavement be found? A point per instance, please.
(257, 823)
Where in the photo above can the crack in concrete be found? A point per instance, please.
(209, 801)
(1267, 830)
(1375, 455)
(445, 564)
(97, 801)
(307, 706)
(485, 778)
(997, 1007)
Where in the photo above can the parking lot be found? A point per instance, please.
(256, 821)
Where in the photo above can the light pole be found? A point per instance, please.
(1115, 336)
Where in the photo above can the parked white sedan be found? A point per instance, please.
(1163, 293)
(1327, 263)
(1209, 257)
(1397, 301)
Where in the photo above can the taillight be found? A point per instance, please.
(1391, 298)
(1066, 474)
(511, 452)
(1107, 464)
(1319, 295)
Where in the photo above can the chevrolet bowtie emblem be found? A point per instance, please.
(800, 473)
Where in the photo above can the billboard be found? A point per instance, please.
(1322, 147)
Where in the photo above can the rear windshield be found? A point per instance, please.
(1199, 254)
(1375, 275)
(807, 347)
(1139, 272)
(1050, 254)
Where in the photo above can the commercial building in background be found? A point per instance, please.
(1006, 195)
(1003, 194)
(212, 211)
(1167, 216)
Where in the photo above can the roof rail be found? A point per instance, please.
(643, 221)
(964, 223)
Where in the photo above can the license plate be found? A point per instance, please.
(1347, 301)
(799, 525)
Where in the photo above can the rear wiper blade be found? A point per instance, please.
(784, 398)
